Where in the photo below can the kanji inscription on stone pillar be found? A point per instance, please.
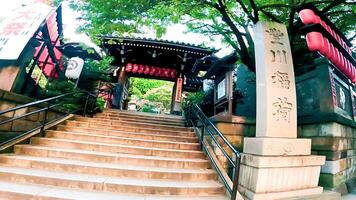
(276, 94)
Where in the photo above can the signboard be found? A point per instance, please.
(16, 30)
(74, 67)
(178, 97)
(221, 92)
(276, 114)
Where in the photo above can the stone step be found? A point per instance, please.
(145, 136)
(107, 169)
(130, 120)
(123, 116)
(122, 126)
(20, 191)
(146, 148)
(137, 130)
(145, 114)
(111, 184)
(138, 160)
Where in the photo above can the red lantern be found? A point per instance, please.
(158, 71)
(152, 71)
(323, 24)
(307, 16)
(349, 69)
(173, 73)
(128, 67)
(317, 20)
(326, 47)
(135, 68)
(147, 69)
(140, 69)
(330, 53)
(166, 73)
(315, 41)
(329, 29)
(353, 79)
(335, 58)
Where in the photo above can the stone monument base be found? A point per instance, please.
(279, 195)
(272, 168)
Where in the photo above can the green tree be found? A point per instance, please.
(140, 86)
(231, 19)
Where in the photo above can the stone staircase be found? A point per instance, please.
(115, 155)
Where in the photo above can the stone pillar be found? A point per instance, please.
(275, 164)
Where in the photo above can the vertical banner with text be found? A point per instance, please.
(178, 97)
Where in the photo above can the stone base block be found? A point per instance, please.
(333, 155)
(261, 174)
(342, 189)
(331, 143)
(277, 146)
(279, 195)
(332, 129)
(333, 167)
(332, 180)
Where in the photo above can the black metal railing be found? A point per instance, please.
(205, 128)
(44, 106)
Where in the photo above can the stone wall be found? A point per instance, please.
(9, 100)
(234, 128)
(338, 143)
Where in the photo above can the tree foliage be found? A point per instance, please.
(231, 19)
(152, 90)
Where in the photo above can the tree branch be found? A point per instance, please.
(245, 57)
(244, 8)
(272, 17)
(352, 38)
(255, 10)
(332, 5)
(337, 12)
(274, 6)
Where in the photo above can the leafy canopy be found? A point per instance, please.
(230, 19)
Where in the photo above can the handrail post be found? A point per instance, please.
(44, 120)
(202, 137)
(236, 177)
(85, 106)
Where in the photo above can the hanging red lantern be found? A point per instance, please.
(140, 69)
(315, 41)
(166, 72)
(158, 72)
(147, 69)
(134, 68)
(128, 67)
(173, 73)
(307, 16)
(152, 70)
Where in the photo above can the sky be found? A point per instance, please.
(174, 33)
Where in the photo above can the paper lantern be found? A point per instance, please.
(128, 67)
(147, 69)
(315, 41)
(152, 71)
(141, 68)
(166, 72)
(134, 68)
(173, 73)
(74, 67)
(307, 16)
(326, 47)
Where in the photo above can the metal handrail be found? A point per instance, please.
(45, 110)
(198, 119)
